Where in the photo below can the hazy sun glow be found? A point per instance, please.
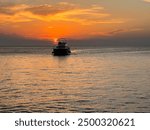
(55, 40)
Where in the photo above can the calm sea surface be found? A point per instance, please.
(89, 80)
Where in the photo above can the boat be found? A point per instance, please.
(61, 49)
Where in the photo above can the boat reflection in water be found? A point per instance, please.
(61, 49)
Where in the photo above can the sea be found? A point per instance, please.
(90, 80)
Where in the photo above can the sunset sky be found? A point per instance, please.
(75, 19)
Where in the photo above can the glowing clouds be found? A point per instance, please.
(50, 9)
(11, 9)
(50, 21)
(147, 0)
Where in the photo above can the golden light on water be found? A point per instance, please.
(40, 82)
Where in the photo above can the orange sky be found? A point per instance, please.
(75, 18)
